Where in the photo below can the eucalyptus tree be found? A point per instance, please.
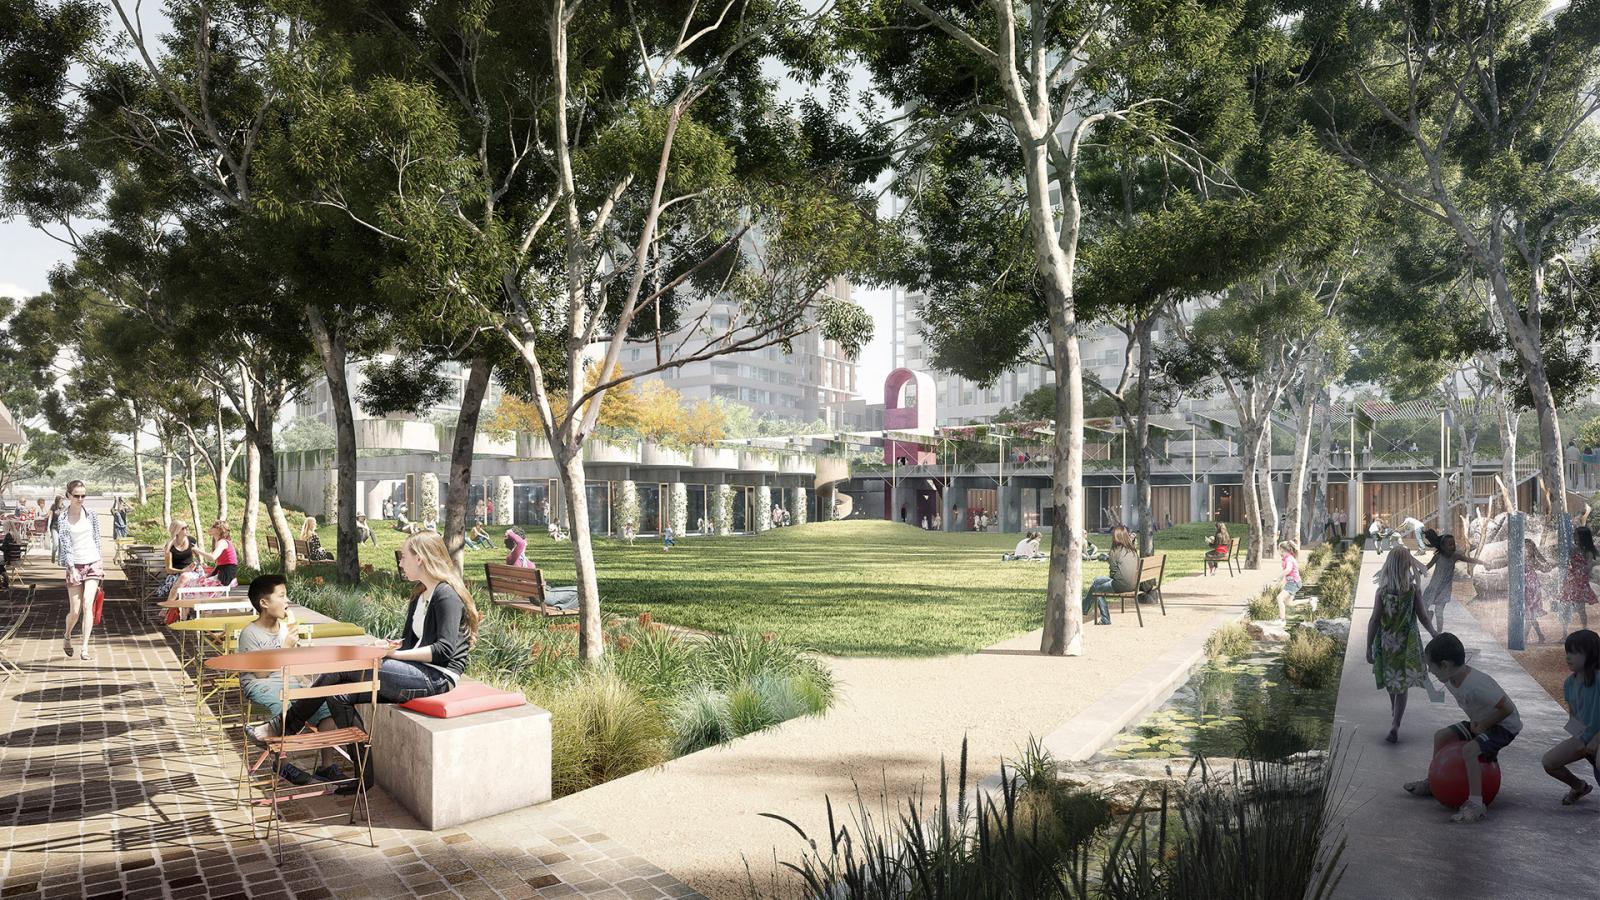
(577, 174)
(1480, 117)
(100, 112)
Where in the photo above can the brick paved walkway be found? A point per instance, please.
(110, 788)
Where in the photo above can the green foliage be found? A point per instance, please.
(601, 729)
(1264, 606)
(1229, 640)
(305, 433)
(1311, 658)
(1336, 586)
(1261, 835)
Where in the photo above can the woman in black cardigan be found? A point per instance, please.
(440, 625)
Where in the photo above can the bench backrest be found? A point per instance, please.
(1233, 547)
(1152, 567)
(504, 579)
(302, 549)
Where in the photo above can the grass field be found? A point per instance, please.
(861, 588)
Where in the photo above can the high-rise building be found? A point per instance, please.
(814, 380)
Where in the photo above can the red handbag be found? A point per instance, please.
(99, 605)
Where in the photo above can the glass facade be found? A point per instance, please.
(697, 505)
(530, 503)
(741, 510)
(649, 507)
(599, 497)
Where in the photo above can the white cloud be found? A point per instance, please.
(9, 289)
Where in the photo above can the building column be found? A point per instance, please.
(504, 498)
(678, 508)
(724, 495)
(1127, 495)
(763, 509)
(1355, 503)
(376, 493)
(801, 511)
(955, 497)
(1197, 501)
(1011, 507)
(428, 498)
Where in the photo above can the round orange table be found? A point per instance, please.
(266, 660)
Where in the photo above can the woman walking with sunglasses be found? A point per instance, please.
(78, 549)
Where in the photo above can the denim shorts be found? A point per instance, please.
(1291, 587)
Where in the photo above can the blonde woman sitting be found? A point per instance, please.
(314, 551)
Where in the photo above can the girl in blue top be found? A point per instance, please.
(1582, 693)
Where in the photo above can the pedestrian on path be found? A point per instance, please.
(1582, 693)
(1534, 565)
(78, 549)
(53, 530)
(119, 517)
(1394, 648)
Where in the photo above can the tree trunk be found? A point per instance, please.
(220, 469)
(252, 506)
(1063, 616)
(1269, 502)
(1294, 526)
(1324, 467)
(193, 485)
(138, 456)
(331, 350)
(166, 489)
(591, 637)
(1141, 443)
(458, 494)
(1508, 421)
(1252, 505)
(269, 494)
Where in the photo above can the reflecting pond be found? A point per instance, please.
(1233, 708)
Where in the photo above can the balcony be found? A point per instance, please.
(653, 454)
(598, 450)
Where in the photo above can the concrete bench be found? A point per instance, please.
(450, 771)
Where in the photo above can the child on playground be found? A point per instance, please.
(667, 539)
(1394, 649)
(1291, 579)
(1492, 722)
(629, 533)
(1582, 693)
(1534, 564)
(1576, 592)
(1437, 594)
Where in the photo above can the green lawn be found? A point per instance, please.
(846, 588)
(849, 588)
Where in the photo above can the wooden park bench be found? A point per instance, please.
(301, 548)
(1151, 568)
(528, 584)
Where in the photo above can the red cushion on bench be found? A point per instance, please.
(464, 701)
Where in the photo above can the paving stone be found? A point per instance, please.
(136, 796)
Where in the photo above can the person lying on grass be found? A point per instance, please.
(1492, 721)
(1582, 694)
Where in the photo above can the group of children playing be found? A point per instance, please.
(1400, 661)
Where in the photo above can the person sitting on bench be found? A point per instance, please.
(1221, 544)
(1124, 575)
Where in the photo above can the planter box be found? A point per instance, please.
(657, 455)
(797, 465)
(755, 462)
(716, 458)
(598, 451)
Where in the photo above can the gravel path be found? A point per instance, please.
(698, 817)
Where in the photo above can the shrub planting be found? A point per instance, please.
(1311, 658)
(654, 695)
(1229, 640)
(1264, 606)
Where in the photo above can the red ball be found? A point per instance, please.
(1447, 776)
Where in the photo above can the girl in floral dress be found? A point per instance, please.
(1577, 594)
(1394, 648)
